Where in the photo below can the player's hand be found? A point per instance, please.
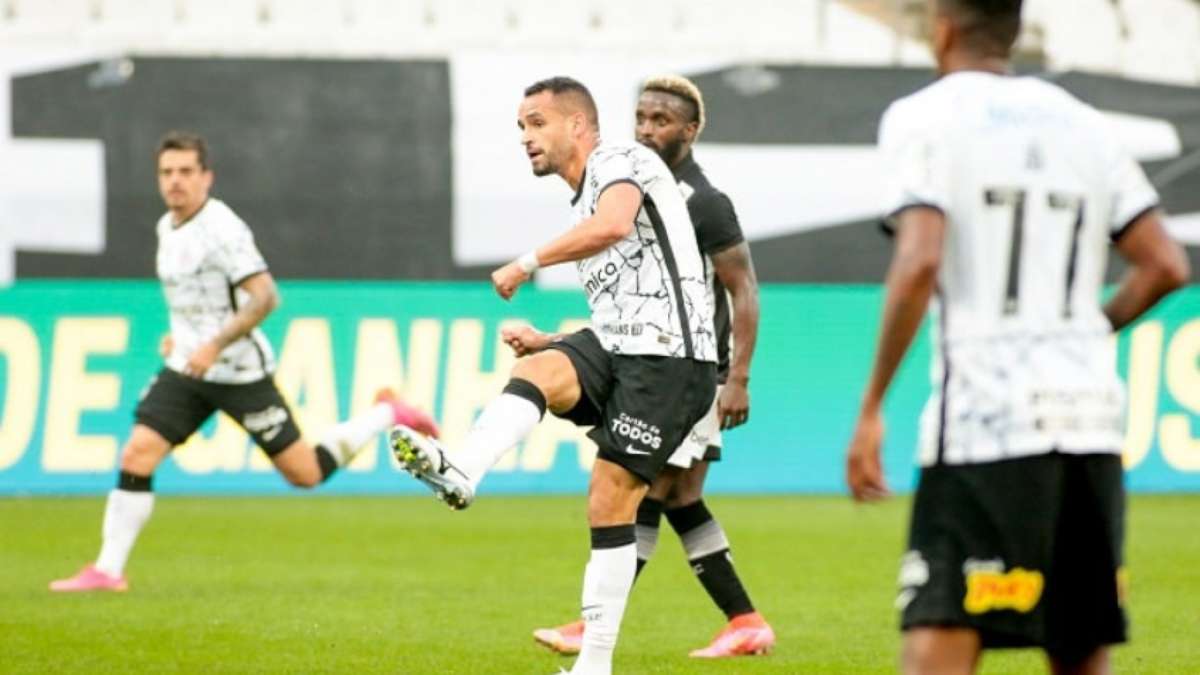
(507, 279)
(733, 405)
(864, 467)
(201, 360)
(525, 340)
(166, 345)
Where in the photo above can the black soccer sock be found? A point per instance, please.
(708, 552)
(649, 514)
(131, 482)
(327, 463)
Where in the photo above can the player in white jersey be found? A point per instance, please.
(670, 117)
(1004, 194)
(218, 291)
(642, 375)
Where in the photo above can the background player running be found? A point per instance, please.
(670, 117)
(1004, 193)
(644, 373)
(218, 291)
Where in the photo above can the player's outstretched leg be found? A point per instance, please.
(747, 633)
(546, 379)
(567, 639)
(308, 466)
(342, 443)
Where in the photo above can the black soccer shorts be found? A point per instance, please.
(175, 405)
(1027, 551)
(640, 407)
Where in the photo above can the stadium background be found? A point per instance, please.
(373, 153)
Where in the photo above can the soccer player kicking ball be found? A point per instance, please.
(670, 117)
(218, 291)
(1004, 193)
(642, 375)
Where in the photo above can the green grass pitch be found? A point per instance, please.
(318, 584)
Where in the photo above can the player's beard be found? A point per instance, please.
(670, 152)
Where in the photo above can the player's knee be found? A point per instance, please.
(536, 370)
(613, 505)
(306, 480)
(683, 494)
(551, 372)
(140, 457)
(948, 652)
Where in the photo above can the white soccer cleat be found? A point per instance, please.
(425, 459)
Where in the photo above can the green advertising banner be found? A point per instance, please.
(74, 357)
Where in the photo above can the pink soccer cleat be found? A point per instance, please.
(89, 579)
(406, 414)
(566, 639)
(745, 635)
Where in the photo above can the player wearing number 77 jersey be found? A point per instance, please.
(1004, 194)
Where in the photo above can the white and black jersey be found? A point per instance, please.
(1034, 186)
(717, 229)
(647, 292)
(200, 263)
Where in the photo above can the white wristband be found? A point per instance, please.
(528, 262)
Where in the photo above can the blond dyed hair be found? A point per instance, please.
(682, 87)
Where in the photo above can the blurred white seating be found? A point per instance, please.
(132, 24)
(302, 27)
(1155, 39)
(213, 26)
(22, 20)
(1164, 40)
(1080, 34)
(391, 27)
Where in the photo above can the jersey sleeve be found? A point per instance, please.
(716, 223)
(1133, 195)
(916, 161)
(611, 167)
(235, 252)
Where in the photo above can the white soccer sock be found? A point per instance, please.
(345, 440)
(124, 517)
(502, 424)
(606, 585)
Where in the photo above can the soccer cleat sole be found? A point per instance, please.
(417, 462)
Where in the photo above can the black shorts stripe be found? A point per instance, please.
(941, 437)
(664, 242)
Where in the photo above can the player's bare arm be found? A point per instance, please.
(910, 282)
(264, 297)
(734, 267)
(613, 221)
(1157, 266)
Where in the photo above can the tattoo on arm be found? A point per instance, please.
(263, 299)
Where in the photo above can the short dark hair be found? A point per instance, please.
(991, 25)
(562, 85)
(185, 140)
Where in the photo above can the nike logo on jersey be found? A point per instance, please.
(634, 451)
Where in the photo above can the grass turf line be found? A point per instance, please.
(402, 585)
